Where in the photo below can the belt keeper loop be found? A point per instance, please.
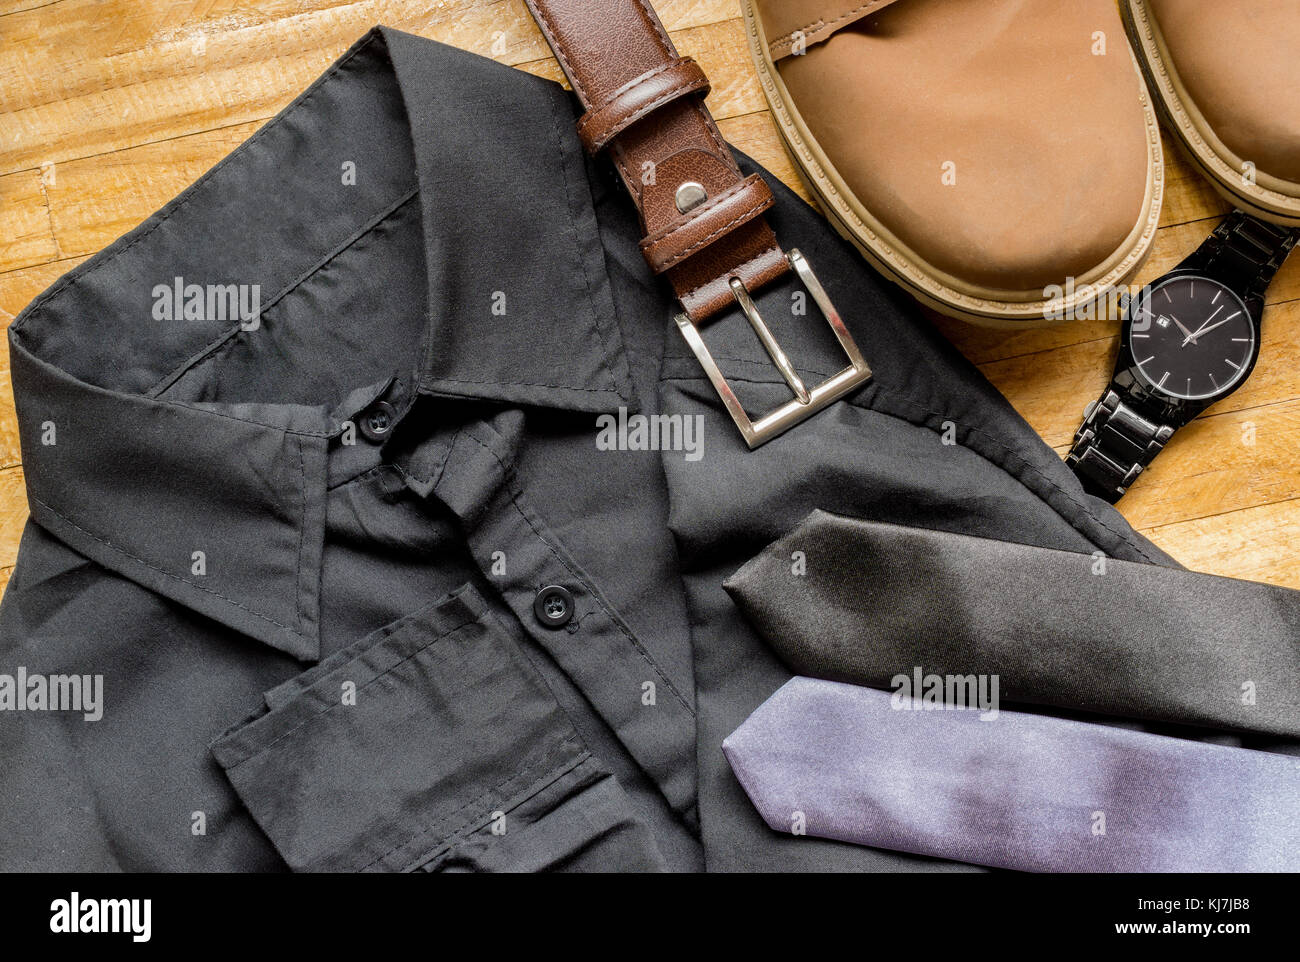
(639, 98)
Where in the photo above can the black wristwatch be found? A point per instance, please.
(1189, 339)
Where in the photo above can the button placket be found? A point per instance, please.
(598, 651)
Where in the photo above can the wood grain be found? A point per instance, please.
(109, 108)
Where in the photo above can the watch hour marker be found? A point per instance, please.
(1213, 381)
(1217, 295)
(1242, 340)
(1165, 291)
(1235, 367)
(1151, 358)
(1192, 292)
(1161, 382)
(1135, 334)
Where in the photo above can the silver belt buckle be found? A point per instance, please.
(805, 403)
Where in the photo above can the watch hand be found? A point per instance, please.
(1181, 327)
(1202, 328)
(1206, 330)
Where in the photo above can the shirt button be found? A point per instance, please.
(377, 421)
(553, 606)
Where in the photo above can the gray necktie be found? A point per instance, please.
(1021, 791)
(861, 601)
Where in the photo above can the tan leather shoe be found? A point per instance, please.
(977, 152)
(1226, 77)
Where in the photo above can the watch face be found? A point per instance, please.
(1191, 337)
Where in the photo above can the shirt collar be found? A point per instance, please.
(220, 505)
(531, 323)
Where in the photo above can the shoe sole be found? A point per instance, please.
(975, 304)
(1270, 198)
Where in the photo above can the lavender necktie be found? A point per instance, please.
(1020, 791)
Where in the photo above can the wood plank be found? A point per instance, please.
(29, 236)
(11, 455)
(13, 514)
(1188, 195)
(18, 288)
(1257, 544)
(88, 77)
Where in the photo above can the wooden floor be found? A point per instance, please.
(108, 108)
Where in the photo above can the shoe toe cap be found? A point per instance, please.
(975, 146)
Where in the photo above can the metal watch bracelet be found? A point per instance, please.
(1113, 445)
(1244, 253)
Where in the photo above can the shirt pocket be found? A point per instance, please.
(432, 743)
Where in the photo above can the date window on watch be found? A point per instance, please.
(1162, 321)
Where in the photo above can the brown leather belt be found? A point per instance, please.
(702, 218)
